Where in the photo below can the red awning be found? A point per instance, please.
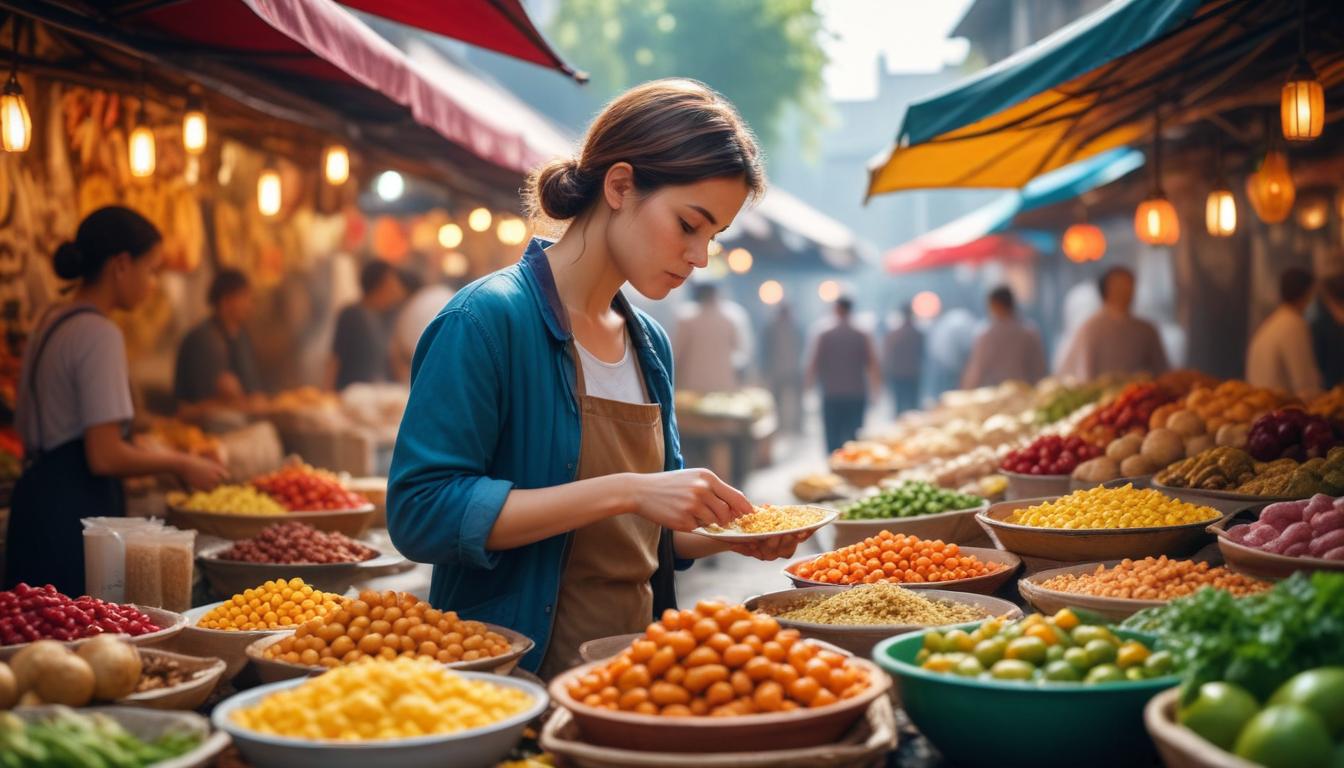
(931, 253)
(317, 44)
(498, 25)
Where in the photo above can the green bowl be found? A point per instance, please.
(1010, 723)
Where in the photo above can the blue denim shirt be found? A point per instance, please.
(493, 407)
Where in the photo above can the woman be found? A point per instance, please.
(538, 464)
(74, 404)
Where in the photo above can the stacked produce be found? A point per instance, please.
(299, 487)
(295, 542)
(34, 613)
(68, 738)
(1232, 469)
(1154, 579)
(1310, 528)
(1042, 649)
(720, 661)
(1283, 648)
(909, 499)
(882, 604)
(1182, 434)
(1104, 508)
(229, 499)
(386, 626)
(46, 672)
(1050, 455)
(398, 699)
(1065, 401)
(1292, 434)
(770, 519)
(895, 558)
(1129, 412)
(277, 604)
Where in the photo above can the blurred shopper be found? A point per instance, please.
(1007, 350)
(710, 343)
(74, 404)
(844, 364)
(215, 360)
(1113, 340)
(782, 367)
(903, 362)
(1280, 355)
(1327, 331)
(415, 315)
(363, 329)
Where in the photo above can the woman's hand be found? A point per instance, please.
(773, 548)
(686, 499)
(201, 474)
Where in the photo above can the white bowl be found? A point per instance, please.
(476, 748)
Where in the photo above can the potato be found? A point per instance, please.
(1136, 466)
(1098, 470)
(1162, 447)
(66, 680)
(1232, 435)
(1186, 424)
(9, 687)
(1122, 448)
(116, 666)
(1197, 445)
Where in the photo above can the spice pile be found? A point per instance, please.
(1154, 579)
(882, 605)
(277, 604)
(294, 542)
(895, 558)
(771, 519)
(399, 699)
(1102, 508)
(33, 613)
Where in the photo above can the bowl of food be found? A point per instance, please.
(1083, 707)
(329, 561)
(173, 680)
(72, 621)
(1118, 589)
(912, 562)
(163, 739)
(857, 618)
(410, 713)
(1285, 537)
(1099, 524)
(768, 521)
(671, 692)
(912, 507)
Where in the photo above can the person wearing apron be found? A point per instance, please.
(74, 405)
(549, 502)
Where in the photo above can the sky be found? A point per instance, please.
(912, 34)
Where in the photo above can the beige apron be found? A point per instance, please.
(605, 588)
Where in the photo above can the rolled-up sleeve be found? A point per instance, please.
(441, 503)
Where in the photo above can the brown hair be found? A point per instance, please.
(672, 131)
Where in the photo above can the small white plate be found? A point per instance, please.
(828, 516)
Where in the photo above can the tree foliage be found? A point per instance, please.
(764, 55)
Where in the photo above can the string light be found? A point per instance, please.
(336, 164)
(194, 127)
(269, 192)
(511, 231)
(479, 220)
(740, 260)
(926, 305)
(390, 186)
(455, 264)
(828, 291)
(771, 292)
(450, 235)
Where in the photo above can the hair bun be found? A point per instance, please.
(68, 261)
(561, 190)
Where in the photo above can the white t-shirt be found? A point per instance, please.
(82, 380)
(1280, 355)
(613, 381)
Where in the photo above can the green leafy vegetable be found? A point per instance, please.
(1256, 642)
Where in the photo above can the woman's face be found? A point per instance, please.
(657, 240)
(135, 279)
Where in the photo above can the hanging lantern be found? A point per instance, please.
(141, 149)
(1313, 211)
(1271, 189)
(1220, 212)
(479, 220)
(336, 165)
(1155, 221)
(194, 128)
(1083, 242)
(16, 126)
(269, 190)
(1302, 104)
